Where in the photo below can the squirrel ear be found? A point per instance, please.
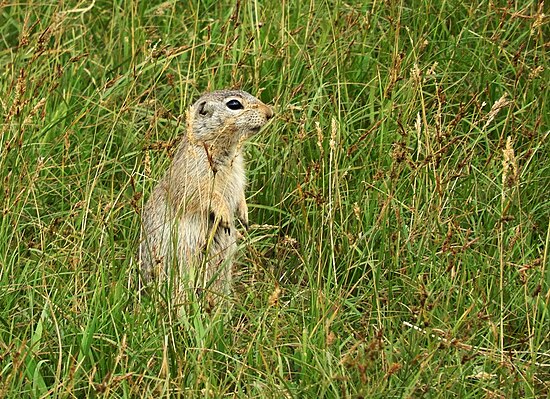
(201, 107)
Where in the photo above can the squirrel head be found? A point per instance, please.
(227, 117)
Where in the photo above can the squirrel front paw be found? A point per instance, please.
(221, 220)
(244, 221)
(242, 214)
(225, 224)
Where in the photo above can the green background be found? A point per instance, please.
(399, 199)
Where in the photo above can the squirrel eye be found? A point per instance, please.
(234, 105)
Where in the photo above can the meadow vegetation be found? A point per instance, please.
(400, 199)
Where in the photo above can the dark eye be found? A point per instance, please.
(234, 105)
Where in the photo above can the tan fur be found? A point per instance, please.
(188, 225)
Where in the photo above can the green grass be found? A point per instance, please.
(400, 248)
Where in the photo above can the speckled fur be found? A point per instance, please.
(188, 224)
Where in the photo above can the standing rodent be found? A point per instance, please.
(188, 235)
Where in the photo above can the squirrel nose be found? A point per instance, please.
(268, 112)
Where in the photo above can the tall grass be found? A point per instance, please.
(399, 199)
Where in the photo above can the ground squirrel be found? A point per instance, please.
(188, 231)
